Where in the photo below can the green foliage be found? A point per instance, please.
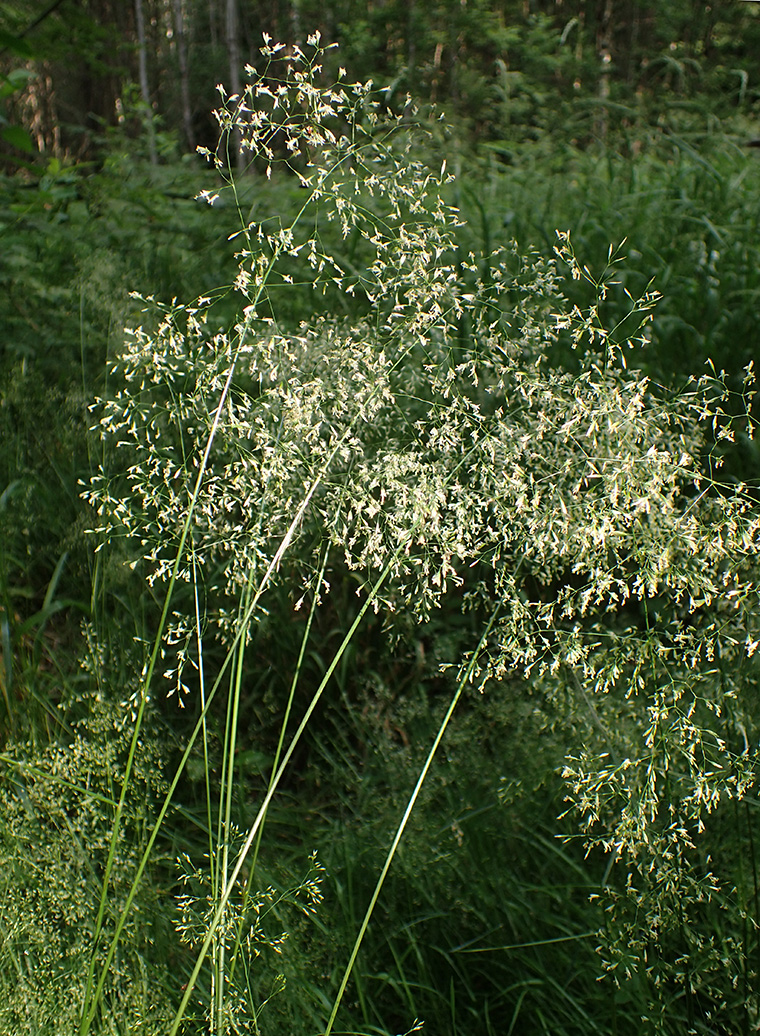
(484, 923)
(507, 73)
(56, 811)
(73, 244)
(10, 83)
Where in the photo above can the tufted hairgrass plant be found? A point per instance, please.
(564, 535)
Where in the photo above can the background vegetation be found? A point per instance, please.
(626, 124)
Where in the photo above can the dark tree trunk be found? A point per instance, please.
(142, 54)
(233, 54)
(184, 73)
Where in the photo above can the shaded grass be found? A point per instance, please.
(686, 210)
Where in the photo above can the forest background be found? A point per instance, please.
(631, 126)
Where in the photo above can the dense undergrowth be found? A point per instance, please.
(393, 485)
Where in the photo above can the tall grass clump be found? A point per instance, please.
(406, 484)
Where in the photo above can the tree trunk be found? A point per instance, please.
(604, 54)
(184, 77)
(142, 55)
(233, 54)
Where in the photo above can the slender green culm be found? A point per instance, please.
(465, 678)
